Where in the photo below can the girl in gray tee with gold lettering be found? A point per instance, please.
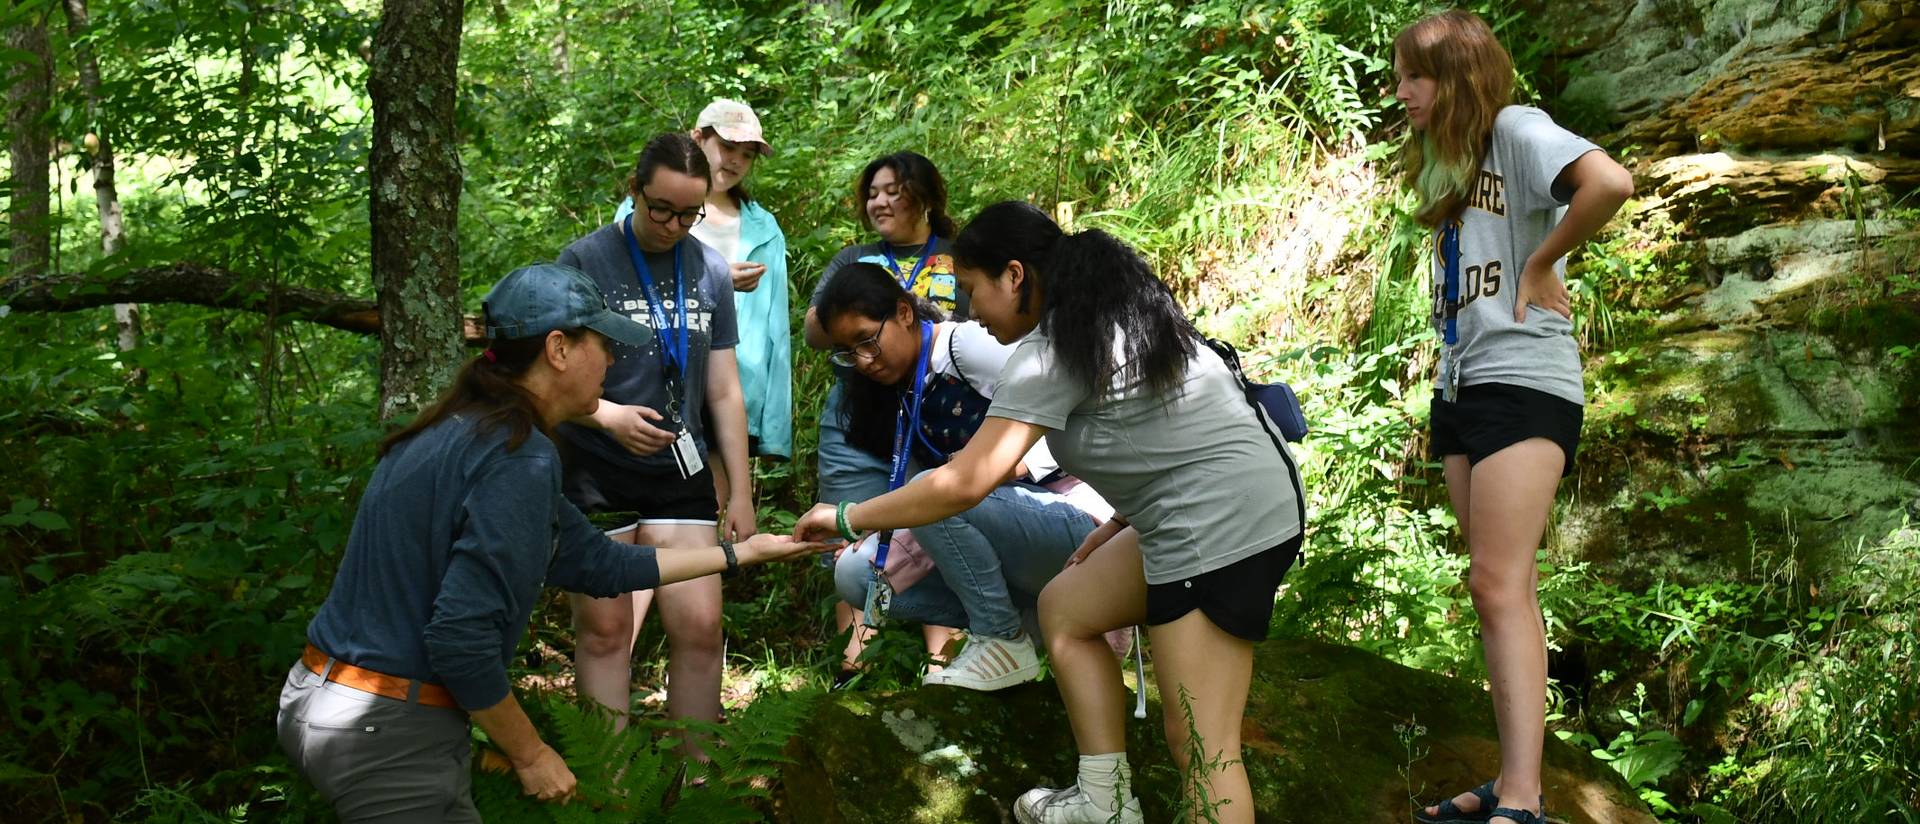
(1208, 502)
(1508, 194)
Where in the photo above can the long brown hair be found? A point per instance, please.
(489, 385)
(1473, 81)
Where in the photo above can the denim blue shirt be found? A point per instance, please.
(452, 541)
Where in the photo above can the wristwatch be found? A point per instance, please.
(733, 563)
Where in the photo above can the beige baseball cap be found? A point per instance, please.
(734, 121)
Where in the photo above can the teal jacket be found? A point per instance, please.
(765, 322)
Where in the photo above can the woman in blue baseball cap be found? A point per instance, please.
(461, 525)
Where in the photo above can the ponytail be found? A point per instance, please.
(1096, 288)
(1093, 287)
(489, 384)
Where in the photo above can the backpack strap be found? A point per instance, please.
(1231, 357)
(953, 356)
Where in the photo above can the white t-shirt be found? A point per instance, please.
(722, 232)
(969, 352)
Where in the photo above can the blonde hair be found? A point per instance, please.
(1473, 81)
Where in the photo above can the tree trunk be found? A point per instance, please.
(106, 195)
(27, 101)
(415, 169)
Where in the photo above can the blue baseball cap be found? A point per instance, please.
(534, 300)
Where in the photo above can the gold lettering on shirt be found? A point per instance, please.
(1489, 193)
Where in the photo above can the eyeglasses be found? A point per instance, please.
(865, 350)
(663, 214)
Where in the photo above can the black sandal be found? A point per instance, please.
(1447, 813)
(1521, 816)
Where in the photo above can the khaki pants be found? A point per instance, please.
(374, 758)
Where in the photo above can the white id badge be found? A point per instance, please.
(686, 454)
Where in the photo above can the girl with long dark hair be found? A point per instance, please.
(1209, 508)
(1493, 179)
(459, 528)
(920, 388)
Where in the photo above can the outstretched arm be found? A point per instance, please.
(987, 461)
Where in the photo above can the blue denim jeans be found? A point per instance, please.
(990, 561)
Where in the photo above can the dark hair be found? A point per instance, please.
(670, 150)
(1005, 232)
(739, 190)
(1092, 287)
(490, 387)
(870, 291)
(920, 180)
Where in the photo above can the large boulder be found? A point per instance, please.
(1331, 733)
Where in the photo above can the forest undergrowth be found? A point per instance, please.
(166, 538)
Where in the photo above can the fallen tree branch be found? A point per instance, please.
(200, 285)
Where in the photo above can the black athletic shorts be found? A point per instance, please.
(598, 486)
(1489, 417)
(1237, 597)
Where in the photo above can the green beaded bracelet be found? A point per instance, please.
(840, 519)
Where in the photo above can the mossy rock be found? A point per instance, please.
(1748, 382)
(1331, 733)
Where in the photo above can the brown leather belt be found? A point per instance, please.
(389, 686)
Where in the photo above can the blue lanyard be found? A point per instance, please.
(672, 351)
(1450, 260)
(926, 254)
(905, 422)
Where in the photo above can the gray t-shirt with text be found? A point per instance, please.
(638, 375)
(1513, 207)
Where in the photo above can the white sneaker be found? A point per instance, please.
(1042, 805)
(988, 664)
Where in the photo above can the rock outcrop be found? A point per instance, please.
(1761, 414)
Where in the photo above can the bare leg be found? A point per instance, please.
(1517, 486)
(845, 618)
(937, 638)
(1106, 591)
(690, 616)
(1503, 524)
(604, 630)
(1192, 655)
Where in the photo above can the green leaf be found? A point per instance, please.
(50, 521)
(1650, 758)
